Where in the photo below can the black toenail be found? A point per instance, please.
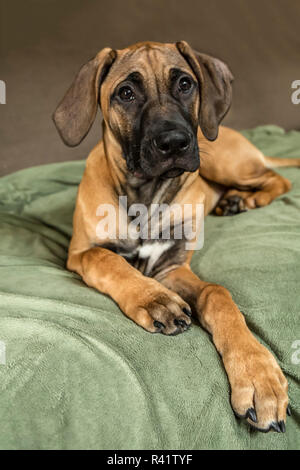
(232, 202)
(187, 311)
(282, 426)
(289, 411)
(275, 426)
(252, 415)
(180, 323)
(158, 324)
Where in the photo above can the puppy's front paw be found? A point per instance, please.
(159, 310)
(258, 387)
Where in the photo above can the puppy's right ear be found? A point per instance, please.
(76, 112)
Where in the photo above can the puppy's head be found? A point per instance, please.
(153, 97)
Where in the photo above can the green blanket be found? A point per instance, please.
(79, 374)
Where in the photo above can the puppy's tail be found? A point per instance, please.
(276, 162)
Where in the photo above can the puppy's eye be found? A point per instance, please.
(126, 93)
(185, 84)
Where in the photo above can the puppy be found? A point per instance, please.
(162, 145)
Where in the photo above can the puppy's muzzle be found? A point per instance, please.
(169, 153)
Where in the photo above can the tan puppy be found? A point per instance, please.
(162, 105)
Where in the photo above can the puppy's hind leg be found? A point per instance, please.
(246, 174)
(268, 187)
(260, 189)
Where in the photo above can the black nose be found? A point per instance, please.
(172, 142)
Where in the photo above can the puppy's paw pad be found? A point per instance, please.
(230, 205)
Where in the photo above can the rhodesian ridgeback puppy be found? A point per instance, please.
(162, 105)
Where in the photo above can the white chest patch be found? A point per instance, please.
(153, 252)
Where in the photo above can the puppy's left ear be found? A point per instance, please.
(214, 79)
(76, 112)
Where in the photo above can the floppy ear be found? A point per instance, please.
(214, 78)
(76, 112)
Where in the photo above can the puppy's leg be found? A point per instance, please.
(258, 386)
(144, 300)
(266, 188)
(238, 165)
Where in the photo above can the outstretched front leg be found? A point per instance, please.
(258, 386)
(144, 300)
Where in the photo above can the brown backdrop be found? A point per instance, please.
(43, 43)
